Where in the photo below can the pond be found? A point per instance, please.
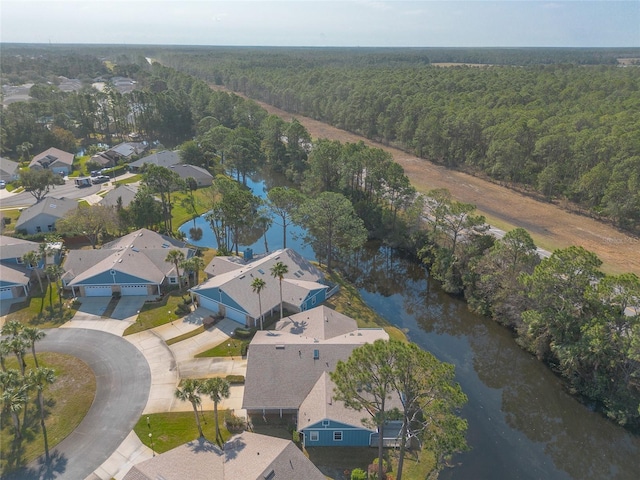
(522, 424)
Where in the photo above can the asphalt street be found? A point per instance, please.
(123, 380)
(68, 190)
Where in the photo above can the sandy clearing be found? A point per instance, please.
(550, 226)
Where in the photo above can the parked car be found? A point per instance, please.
(3, 184)
(100, 179)
(95, 173)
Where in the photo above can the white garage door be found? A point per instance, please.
(98, 291)
(133, 290)
(237, 316)
(208, 304)
(5, 293)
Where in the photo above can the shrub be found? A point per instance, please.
(233, 423)
(182, 309)
(358, 474)
(242, 333)
(235, 379)
(295, 437)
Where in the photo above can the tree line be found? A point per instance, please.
(561, 130)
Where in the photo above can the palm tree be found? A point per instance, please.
(32, 335)
(258, 284)
(23, 150)
(279, 270)
(192, 265)
(175, 256)
(40, 378)
(14, 398)
(32, 259)
(54, 274)
(4, 351)
(216, 389)
(18, 346)
(189, 393)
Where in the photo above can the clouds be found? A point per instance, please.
(324, 23)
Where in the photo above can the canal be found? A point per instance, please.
(522, 424)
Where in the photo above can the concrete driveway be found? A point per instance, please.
(128, 308)
(91, 307)
(123, 382)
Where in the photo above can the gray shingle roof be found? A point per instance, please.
(237, 276)
(56, 207)
(127, 192)
(246, 456)
(53, 155)
(11, 247)
(164, 158)
(201, 175)
(140, 254)
(8, 169)
(282, 365)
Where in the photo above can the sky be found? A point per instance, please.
(352, 23)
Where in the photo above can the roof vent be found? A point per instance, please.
(280, 347)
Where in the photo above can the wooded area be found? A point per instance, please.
(564, 130)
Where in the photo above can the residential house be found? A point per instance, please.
(202, 177)
(164, 158)
(228, 291)
(287, 376)
(9, 170)
(126, 192)
(247, 456)
(42, 216)
(54, 159)
(124, 151)
(15, 276)
(132, 265)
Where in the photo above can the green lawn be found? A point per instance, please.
(63, 411)
(185, 336)
(230, 348)
(170, 430)
(154, 314)
(36, 309)
(134, 179)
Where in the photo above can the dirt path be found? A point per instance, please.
(550, 226)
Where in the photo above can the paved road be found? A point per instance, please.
(123, 380)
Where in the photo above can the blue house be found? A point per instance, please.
(132, 265)
(288, 376)
(228, 289)
(15, 275)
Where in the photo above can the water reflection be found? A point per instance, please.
(522, 425)
(521, 422)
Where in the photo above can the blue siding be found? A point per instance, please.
(320, 295)
(105, 278)
(4, 284)
(221, 297)
(352, 435)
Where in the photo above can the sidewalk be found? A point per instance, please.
(167, 365)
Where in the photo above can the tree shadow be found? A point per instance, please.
(41, 469)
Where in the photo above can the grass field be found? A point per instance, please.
(63, 411)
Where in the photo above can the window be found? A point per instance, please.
(313, 301)
(38, 229)
(172, 279)
(314, 436)
(50, 228)
(325, 423)
(337, 436)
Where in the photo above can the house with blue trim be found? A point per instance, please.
(132, 265)
(228, 291)
(288, 377)
(54, 159)
(15, 276)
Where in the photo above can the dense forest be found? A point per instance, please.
(562, 130)
(516, 122)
